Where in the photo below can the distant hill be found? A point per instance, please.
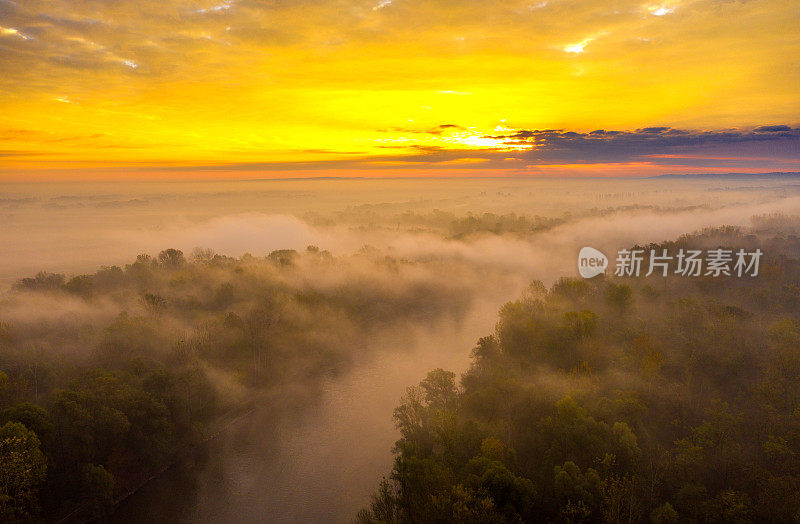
(774, 174)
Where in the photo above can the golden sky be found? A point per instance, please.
(151, 88)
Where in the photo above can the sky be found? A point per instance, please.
(129, 89)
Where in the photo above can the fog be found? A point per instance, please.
(313, 448)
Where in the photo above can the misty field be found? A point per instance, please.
(248, 351)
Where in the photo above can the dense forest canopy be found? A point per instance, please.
(106, 378)
(610, 399)
(617, 400)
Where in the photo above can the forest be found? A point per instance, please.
(108, 378)
(617, 399)
(613, 399)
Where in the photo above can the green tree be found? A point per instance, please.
(664, 514)
(33, 417)
(171, 258)
(22, 471)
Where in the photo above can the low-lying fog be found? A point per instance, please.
(72, 227)
(321, 464)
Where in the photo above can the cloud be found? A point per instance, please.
(779, 141)
(661, 10)
(250, 81)
(773, 129)
(763, 149)
(646, 151)
(578, 47)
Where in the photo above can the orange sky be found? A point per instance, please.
(259, 88)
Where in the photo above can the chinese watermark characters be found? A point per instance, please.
(689, 263)
(686, 262)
